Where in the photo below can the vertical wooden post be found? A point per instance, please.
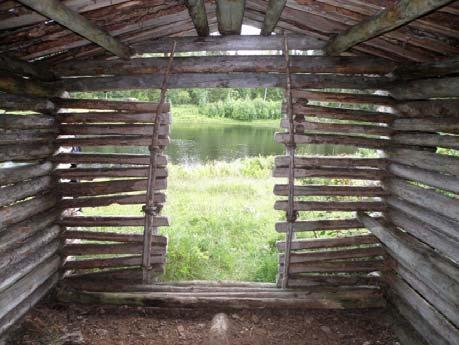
(291, 146)
(149, 208)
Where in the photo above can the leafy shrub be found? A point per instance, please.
(243, 110)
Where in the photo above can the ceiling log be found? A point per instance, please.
(389, 19)
(230, 14)
(272, 16)
(55, 10)
(197, 10)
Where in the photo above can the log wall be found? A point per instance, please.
(96, 169)
(29, 234)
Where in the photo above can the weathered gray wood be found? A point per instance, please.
(325, 190)
(25, 68)
(24, 172)
(212, 80)
(428, 124)
(430, 178)
(424, 197)
(229, 15)
(12, 297)
(362, 298)
(21, 190)
(437, 68)
(24, 153)
(27, 136)
(198, 14)
(21, 211)
(330, 242)
(445, 225)
(80, 221)
(342, 97)
(321, 280)
(107, 187)
(110, 140)
(436, 320)
(426, 88)
(111, 129)
(157, 240)
(229, 64)
(344, 206)
(425, 139)
(426, 233)
(8, 121)
(336, 266)
(426, 160)
(92, 173)
(102, 104)
(17, 102)
(329, 161)
(107, 158)
(402, 12)
(126, 199)
(118, 117)
(14, 235)
(272, 16)
(346, 173)
(433, 108)
(422, 260)
(16, 314)
(83, 249)
(306, 126)
(21, 86)
(224, 43)
(220, 333)
(341, 114)
(321, 225)
(57, 11)
(320, 256)
(124, 261)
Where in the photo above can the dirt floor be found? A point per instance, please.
(54, 324)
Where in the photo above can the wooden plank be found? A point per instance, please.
(102, 104)
(337, 242)
(124, 261)
(428, 140)
(430, 178)
(432, 108)
(83, 249)
(338, 173)
(17, 102)
(93, 173)
(330, 161)
(420, 89)
(198, 14)
(321, 225)
(21, 87)
(438, 68)
(424, 197)
(9, 121)
(224, 43)
(309, 127)
(401, 13)
(57, 11)
(311, 280)
(128, 199)
(118, 117)
(110, 140)
(27, 136)
(320, 256)
(111, 237)
(24, 172)
(80, 221)
(107, 187)
(25, 68)
(22, 190)
(342, 97)
(24, 153)
(336, 267)
(344, 206)
(106, 158)
(325, 190)
(272, 16)
(428, 124)
(111, 129)
(347, 140)
(422, 260)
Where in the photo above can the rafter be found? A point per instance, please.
(55, 10)
(272, 16)
(230, 14)
(197, 10)
(391, 18)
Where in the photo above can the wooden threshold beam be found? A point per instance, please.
(230, 14)
(272, 16)
(403, 12)
(198, 15)
(55, 10)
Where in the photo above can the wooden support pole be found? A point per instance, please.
(230, 14)
(403, 12)
(272, 16)
(55, 10)
(197, 10)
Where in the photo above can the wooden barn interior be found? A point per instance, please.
(399, 58)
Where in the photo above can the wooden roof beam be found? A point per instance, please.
(55, 10)
(389, 19)
(198, 15)
(24, 68)
(272, 16)
(230, 14)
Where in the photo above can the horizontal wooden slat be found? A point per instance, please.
(102, 104)
(282, 205)
(127, 199)
(431, 108)
(327, 161)
(92, 173)
(110, 262)
(111, 140)
(107, 158)
(24, 172)
(346, 140)
(26, 136)
(320, 225)
(308, 280)
(81, 221)
(330, 242)
(111, 129)
(425, 139)
(26, 121)
(157, 240)
(28, 152)
(82, 249)
(107, 187)
(337, 267)
(426, 160)
(325, 190)
(22, 103)
(432, 124)
(119, 117)
(320, 256)
(22, 190)
(299, 94)
(305, 126)
(343, 173)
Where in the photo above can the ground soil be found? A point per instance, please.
(54, 324)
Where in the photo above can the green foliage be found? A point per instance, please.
(243, 110)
